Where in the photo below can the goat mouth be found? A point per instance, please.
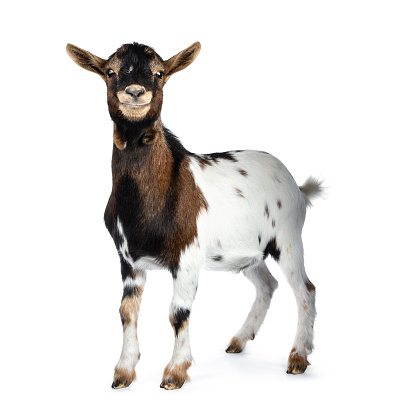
(135, 105)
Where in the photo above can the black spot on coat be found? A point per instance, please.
(272, 249)
(178, 319)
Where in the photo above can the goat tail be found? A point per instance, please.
(311, 189)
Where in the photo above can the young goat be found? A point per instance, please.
(173, 209)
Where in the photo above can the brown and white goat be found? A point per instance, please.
(173, 209)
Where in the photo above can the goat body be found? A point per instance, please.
(173, 209)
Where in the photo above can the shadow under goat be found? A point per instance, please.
(176, 210)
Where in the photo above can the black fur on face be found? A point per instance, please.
(134, 65)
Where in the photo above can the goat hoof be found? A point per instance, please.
(122, 378)
(174, 381)
(175, 376)
(171, 384)
(296, 363)
(234, 347)
(118, 384)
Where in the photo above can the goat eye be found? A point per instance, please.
(110, 73)
(159, 74)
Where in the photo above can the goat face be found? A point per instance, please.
(135, 75)
(135, 78)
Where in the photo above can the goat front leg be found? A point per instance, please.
(184, 291)
(124, 372)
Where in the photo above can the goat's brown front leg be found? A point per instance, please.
(184, 291)
(124, 372)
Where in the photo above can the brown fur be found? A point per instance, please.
(182, 59)
(296, 363)
(87, 60)
(153, 182)
(130, 306)
(159, 165)
(191, 202)
(204, 162)
(174, 377)
(239, 192)
(225, 156)
(118, 139)
(184, 324)
(122, 378)
(266, 212)
(114, 64)
(242, 172)
(234, 347)
(156, 65)
(310, 286)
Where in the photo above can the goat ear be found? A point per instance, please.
(182, 59)
(86, 60)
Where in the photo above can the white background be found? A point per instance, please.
(329, 87)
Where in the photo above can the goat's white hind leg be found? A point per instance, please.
(265, 285)
(292, 264)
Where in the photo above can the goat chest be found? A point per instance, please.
(151, 214)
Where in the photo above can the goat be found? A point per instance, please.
(176, 210)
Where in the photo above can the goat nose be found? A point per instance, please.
(134, 91)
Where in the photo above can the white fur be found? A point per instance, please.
(184, 291)
(228, 240)
(124, 247)
(130, 352)
(182, 349)
(265, 285)
(232, 224)
(231, 227)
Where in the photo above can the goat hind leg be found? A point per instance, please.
(292, 265)
(265, 285)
